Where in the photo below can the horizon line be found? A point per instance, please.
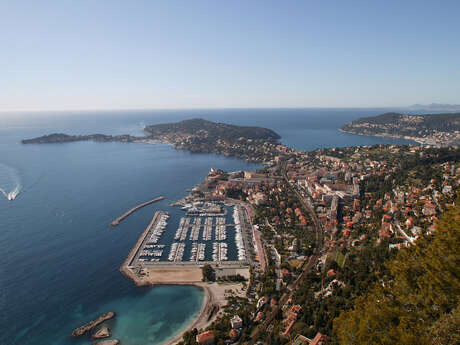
(34, 110)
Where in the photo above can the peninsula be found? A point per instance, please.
(64, 138)
(430, 129)
(196, 135)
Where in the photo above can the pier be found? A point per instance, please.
(134, 209)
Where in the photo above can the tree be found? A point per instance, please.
(423, 292)
(208, 273)
(445, 330)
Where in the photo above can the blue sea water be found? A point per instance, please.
(60, 260)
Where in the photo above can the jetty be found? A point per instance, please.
(93, 323)
(134, 209)
(126, 267)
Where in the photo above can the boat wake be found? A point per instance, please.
(10, 183)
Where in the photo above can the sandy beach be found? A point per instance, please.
(215, 294)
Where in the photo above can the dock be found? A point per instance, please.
(134, 209)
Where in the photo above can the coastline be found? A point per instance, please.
(214, 295)
(195, 322)
(416, 140)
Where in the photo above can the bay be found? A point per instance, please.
(60, 260)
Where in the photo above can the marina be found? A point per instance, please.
(211, 234)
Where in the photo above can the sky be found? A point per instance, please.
(218, 54)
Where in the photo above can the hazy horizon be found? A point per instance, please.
(406, 107)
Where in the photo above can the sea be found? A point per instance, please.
(59, 258)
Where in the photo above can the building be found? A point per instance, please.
(319, 339)
(259, 317)
(236, 322)
(300, 340)
(261, 302)
(205, 338)
(234, 334)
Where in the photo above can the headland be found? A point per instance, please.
(438, 130)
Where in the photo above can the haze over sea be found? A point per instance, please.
(60, 259)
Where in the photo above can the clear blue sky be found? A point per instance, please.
(112, 54)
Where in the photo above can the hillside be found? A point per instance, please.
(211, 129)
(255, 144)
(433, 129)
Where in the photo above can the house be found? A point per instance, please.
(234, 334)
(259, 317)
(285, 273)
(429, 209)
(205, 338)
(331, 273)
(288, 328)
(293, 312)
(261, 302)
(300, 340)
(236, 322)
(319, 339)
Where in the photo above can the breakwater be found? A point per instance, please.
(134, 209)
(90, 325)
(125, 267)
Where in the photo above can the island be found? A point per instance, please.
(431, 129)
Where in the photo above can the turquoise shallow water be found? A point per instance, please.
(60, 260)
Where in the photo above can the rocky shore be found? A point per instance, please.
(104, 332)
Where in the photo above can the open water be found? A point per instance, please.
(59, 259)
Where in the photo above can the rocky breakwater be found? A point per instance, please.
(108, 342)
(92, 324)
(102, 333)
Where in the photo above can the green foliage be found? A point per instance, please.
(208, 273)
(397, 123)
(215, 130)
(425, 288)
(446, 330)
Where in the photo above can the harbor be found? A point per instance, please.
(208, 233)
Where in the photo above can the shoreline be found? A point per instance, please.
(214, 297)
(195, 321)
(415, 140)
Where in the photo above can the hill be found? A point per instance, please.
(433, 129)
(211, 129)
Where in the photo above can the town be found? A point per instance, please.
(327, 220)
